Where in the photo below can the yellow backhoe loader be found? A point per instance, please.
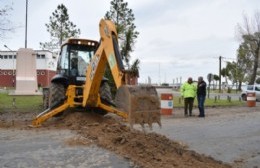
(79, 82)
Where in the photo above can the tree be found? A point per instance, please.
(243, 65)
(250, 35)
(209, 77)
(215, 78)
(234, 74)
(60, 28)
(135, 68)
(123, 19)
(257, 81)
(225, 73)
(240, 71)
(5, 24)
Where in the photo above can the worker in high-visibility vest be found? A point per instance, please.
(188, 92)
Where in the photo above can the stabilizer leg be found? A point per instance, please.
(45, 115)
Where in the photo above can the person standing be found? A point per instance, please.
(188, 92)
(201, 95)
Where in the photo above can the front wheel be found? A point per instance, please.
(244, 97)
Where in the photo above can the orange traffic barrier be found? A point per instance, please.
(251, 99)
(166, 104)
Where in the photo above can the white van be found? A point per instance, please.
(251, 88)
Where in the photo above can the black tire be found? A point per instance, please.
(46, 99)
(106, 97)
(105, 93)
(244, 97)
(56, 96)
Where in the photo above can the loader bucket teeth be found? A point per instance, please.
(141, 103)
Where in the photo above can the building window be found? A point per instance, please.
(40, 56)
(1, 57)
(5, 73)
(38, 73)
(14, 56)
(42, 73)
(10, 57)
(5, 56)
(10, 73)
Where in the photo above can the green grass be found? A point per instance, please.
(20, 103)
(179, 102)
(34, 103)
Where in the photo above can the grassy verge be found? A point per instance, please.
(20, 103)
(34, 103)
(179, 102)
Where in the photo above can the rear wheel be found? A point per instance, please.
(46, 99)
(56, 96)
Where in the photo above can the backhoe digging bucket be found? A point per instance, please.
(141, 103)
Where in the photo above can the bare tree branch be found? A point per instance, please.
(5, 24)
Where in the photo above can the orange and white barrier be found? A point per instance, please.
(166, 103)
(251, 99)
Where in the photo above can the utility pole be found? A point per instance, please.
(220, 57)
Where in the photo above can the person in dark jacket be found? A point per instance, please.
(201, 95)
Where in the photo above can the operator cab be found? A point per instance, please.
(74, 59)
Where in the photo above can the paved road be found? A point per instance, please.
(231, 135)
(30, 149)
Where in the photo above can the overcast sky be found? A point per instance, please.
(178, 39)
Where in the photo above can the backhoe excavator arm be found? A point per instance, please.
(138, 104)
(107, 52)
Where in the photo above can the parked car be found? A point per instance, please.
(251, 88)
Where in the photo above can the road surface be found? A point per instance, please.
(231, 135)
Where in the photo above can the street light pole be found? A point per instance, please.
(220, 57)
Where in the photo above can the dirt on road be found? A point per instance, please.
(142, 148)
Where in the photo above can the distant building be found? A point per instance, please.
(46, 63)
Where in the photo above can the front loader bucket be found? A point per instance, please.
(141, 103)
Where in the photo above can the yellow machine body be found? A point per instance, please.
(136, 104)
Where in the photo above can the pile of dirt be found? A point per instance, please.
(144, 149)
(109, 132)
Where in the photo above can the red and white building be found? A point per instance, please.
(46, 63)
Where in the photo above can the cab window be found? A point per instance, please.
(257, 88)
(250, 87)
(64, 61)
(83, 55)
